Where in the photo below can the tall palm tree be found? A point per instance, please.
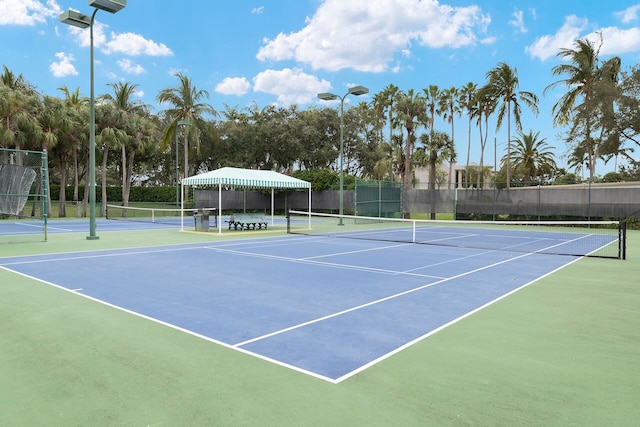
(503, 84)
(466, 100)
(532, 157)
(111, 123)
(57, 124)
(484, 105)
(378, 105)
(585, 78)
(432, 96)
(122, 99)
(76, 106)
(185, 101)
(391, 93)
(411, 114)
(448, 108)
(437, 147)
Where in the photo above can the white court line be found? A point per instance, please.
(178, 328)
(446, 325)
(327, 264)
(74, 258)
(378, 301)
(40, 226)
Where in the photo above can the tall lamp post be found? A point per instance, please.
(80, 20)
(178, 124)
(325, 96)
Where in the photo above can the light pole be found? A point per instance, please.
(80, 20)
(178, 124)
(325, 96)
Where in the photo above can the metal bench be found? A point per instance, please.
(247, 221)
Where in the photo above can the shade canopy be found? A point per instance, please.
(244, 178)
(248, 178)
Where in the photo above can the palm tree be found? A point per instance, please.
(185, 105)
(432, 95)
(586, 79)
(111, 123)
(76, 106)
(484, 105)
(531, 157)
(391, 93)
(57, 124)
(449, 107)
(411, 113)
(438, 146)
(502, 84)
(19, 107)
(133, 110)
(467, 96)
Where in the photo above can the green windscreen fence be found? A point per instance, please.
(23, 195)
(382, 199)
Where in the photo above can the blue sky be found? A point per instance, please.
(286, 51)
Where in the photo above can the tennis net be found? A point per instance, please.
(606, 239)
(171, 216)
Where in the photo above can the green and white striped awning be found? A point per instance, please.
(248, 178)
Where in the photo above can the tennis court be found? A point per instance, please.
(320, 307)
(323, 306)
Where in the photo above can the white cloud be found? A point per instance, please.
(134, 44)
(549, 45)
(233, 86)
(291, 86)
(27, 12)
(366, 34)
(64, 66)
(616, 41)
(82, 35)
(628, 15)
(126, 43)
(258, 10)
(129, 67)
(518, 21)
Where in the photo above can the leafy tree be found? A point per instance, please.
(567, 178)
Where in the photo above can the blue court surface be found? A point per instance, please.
(326, 307)
(23, 227)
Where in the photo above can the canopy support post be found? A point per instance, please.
(220, 208)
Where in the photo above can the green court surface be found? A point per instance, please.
(564, 351)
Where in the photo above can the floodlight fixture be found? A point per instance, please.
(358, 90)
(76, 19)
(111, 6)
(326, 96)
